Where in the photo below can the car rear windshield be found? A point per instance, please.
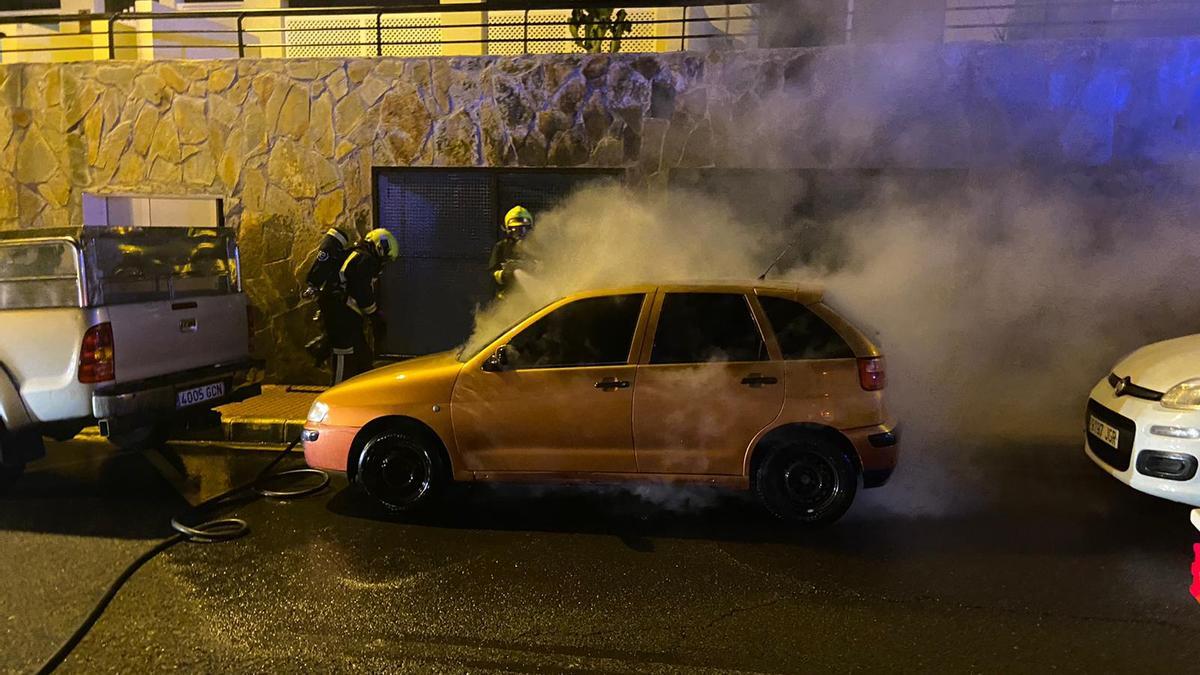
(704, 327)
(801, 333)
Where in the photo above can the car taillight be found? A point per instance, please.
(871, 374)
(97, 356)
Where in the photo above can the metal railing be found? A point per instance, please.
(511, 27)
(1055, 19)
(473, 28)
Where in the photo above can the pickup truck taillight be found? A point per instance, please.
(97, 358)
(871, 374)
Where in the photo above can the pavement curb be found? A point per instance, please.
(274, 417)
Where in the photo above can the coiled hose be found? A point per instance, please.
(206, 532)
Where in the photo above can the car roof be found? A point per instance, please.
(806, 293)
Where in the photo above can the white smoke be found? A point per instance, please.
(997, 306)
(998, 297)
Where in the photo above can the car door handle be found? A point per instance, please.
(756, 380)
(611, 383)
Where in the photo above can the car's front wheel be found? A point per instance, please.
(400, 470)
(809, 482)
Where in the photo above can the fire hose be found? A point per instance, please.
(205, 532)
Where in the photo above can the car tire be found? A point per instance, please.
(401, 471)
(810, 482)
(12, 459)
(9, 474)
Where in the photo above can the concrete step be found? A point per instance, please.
(274, 417)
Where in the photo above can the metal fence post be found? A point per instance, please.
(525, 38)
(379, 34)
(683, 30)
(241, 38)
(112, 43)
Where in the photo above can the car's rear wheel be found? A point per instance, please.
(810, 482)
(9, 474)
(400, 470)
(12, 459)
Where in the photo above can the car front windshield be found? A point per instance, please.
(480, 338)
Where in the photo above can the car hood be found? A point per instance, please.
(1162, 365)
(428, 379)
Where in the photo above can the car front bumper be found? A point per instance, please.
(327, 447)
(1135, 417)
(130, 404)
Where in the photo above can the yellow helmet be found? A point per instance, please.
(518, 217)
(384, 243)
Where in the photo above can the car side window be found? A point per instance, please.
(704, 327)
(588, 332)
(801, 333)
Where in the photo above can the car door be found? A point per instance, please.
(820, 367)
(564, 400)
(707, 387)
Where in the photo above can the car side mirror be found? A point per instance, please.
(497, 361)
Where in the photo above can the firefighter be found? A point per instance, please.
(506, 255)
(323, 275)
(359, 277)
(324, 283)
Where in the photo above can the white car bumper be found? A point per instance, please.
(1139, 415)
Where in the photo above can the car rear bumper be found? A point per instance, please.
(878, 449)
(328, 447)
(1131, 461)
(130, 404)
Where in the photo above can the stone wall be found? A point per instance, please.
(290, 144)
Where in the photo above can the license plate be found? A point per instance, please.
(1104, 432)
(205, 392)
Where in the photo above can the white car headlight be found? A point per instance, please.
(1183, 396)
(318, 412)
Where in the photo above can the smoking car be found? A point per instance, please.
(1143, 420)
(755, 386)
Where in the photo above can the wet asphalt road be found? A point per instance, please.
(1023, 558)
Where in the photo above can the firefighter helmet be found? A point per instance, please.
(518, 219)
(384, 244)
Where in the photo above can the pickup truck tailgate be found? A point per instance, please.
(163, 336)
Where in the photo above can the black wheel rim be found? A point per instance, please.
(811, 482)
(395, 473)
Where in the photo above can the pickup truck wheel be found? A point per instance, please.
(9, 473)
(401, 471)
(809, 482)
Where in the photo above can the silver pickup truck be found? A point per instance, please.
(126, 328)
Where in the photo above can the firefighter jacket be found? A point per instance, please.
(505, 259)
(331, 255)
(358, 276)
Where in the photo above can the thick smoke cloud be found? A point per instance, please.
(998, 306)
(999, 296)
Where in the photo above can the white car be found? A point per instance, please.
(124, 327)
(1143, 420)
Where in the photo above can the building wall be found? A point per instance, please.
(290, 143)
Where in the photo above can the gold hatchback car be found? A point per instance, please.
(755, 386)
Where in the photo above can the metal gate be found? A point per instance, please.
(447, 221)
